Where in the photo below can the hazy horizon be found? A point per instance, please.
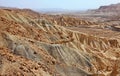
(54, 4)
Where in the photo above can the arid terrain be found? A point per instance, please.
(35, 44)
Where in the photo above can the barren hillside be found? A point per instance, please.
(33, 44)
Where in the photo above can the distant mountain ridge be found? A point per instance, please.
(109, 8)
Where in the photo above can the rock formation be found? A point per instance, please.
(112, 7)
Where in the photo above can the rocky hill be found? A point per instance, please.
(33, 44)
(110, 8)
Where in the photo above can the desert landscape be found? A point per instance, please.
(67, 44)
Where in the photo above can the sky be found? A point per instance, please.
(57, 4)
